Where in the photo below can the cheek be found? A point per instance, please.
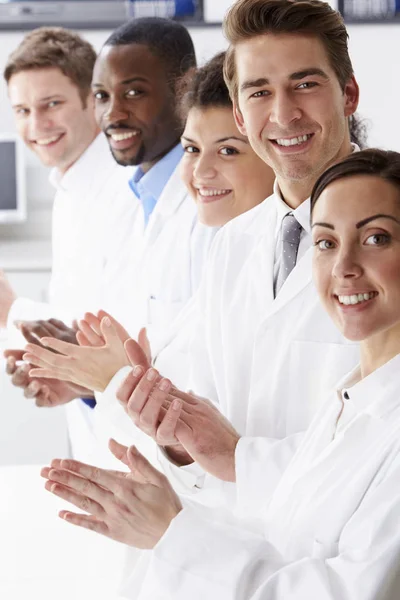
(186, 172)
(322, 277)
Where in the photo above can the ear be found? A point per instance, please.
(351, 97)
(237, 115)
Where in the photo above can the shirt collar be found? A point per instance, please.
(76, 178)
(154, 181)
(377, 394)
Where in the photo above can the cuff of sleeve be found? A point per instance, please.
(110, 393)
(201, 558)
(185, 480)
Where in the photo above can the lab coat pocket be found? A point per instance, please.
(325, 550)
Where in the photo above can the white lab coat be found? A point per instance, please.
(328, 529)
(91, 200)
(266, 362)
(149, 283)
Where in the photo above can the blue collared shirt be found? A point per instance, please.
(148, 187)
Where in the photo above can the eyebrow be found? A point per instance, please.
(308, 73)
(220, 141)
(251, 83)
(125, 82)
(378, 216)
(41, 100)
(362, 223)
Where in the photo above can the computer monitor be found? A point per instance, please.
(12, 179)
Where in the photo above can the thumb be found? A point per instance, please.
(144, 343)
(119, 451)
(108, 331)
(139, 465)
(135, 354)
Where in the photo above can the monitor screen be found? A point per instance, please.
(12, 178)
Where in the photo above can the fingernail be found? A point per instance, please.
(151, 375)
(164, 385)
(176, 405)
(137, 370)
(107, 322)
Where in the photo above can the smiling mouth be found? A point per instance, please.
(296, 141)
(43, 142)
(120, 137)
(354, 299)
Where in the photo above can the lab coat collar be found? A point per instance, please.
(378, 394)
(95, 159)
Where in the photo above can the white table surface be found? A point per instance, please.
(41, 556)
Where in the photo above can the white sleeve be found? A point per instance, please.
(24, 309)
(201, 558)
(260, 464)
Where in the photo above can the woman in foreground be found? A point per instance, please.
(330, 529)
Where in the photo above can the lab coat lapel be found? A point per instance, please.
(298, 279)
(172, 196)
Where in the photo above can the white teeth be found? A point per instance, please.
(293, 141)
(356, 298)
(46, 142)
(208, 192)
(119, 137)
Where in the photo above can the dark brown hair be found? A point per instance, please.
(250, 18)
(48, 47)
(373, 162)
(204, 87)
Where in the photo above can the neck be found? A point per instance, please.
(379, 349)
(146, 166)
(295, 192)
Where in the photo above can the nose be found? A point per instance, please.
(39, 123)
(115, 111)
(204, 168)
(284, 109)
(347, 266)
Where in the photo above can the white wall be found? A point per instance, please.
(374, 48)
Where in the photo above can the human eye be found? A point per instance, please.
(307, 85)
(260, 94)
(378, 239)
(323, 244)
(53, 103)
(100, 95)
(191, 149)
(228, 151)
(21, 112)
(133, 93)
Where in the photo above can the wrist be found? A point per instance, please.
(177, 455)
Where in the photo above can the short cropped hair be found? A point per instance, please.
(379, 163)
(247, 19)
(204, 87)
(48, 47)
(168, 40)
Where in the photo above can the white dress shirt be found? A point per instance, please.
(329, 529)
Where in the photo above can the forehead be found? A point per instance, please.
(211, 121)
(35, 84)
(116, 64)
(352, 199)
(277, 56)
